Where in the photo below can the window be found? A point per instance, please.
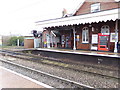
(85, 35)
(105, 29)
(95, 7)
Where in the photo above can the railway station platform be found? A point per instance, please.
(88, 57)
(11, 79)
(83, 52)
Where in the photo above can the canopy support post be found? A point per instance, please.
(74, 46)
(116, 36)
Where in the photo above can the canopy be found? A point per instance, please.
(82, 19)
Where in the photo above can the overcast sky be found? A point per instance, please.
(19, 16)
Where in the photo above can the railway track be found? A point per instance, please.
(54, 81)
(41, 60)
(25, 58)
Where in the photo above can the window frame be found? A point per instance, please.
(86, 31)
(105, 28)
(94, 7)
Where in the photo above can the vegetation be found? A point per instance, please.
(13, 41)
(5, 40)
(21, 38)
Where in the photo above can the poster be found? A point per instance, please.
(77, 37)
(112, 37)
(94, 38)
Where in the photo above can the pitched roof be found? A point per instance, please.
(78, 6)
(82, 2)
(82, 19)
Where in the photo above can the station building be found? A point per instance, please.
(93, 26)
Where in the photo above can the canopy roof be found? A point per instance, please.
(82, 19)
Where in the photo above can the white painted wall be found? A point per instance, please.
(0, 40)
(36, 42)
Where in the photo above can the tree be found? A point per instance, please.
(5, 40)
(13, 40)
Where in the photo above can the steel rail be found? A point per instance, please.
(14, 54)
(55, 78)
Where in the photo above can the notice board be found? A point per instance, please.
(94, 38)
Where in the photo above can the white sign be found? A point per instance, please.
(94, 38)
(112, 37)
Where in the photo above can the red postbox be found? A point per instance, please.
(103, 39)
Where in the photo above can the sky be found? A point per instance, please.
(18, 17)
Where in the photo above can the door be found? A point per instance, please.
(103, 41)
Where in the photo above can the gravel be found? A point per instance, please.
(81, 77)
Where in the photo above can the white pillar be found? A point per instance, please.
(34, 42)
(116, 36)
(18, 42)
(74, 46)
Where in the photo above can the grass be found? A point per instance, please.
(55, 63)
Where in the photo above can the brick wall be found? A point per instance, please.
(105, 5)
(97, 29)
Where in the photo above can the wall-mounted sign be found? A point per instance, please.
(112, 37)
(94, 38)
(77, 37)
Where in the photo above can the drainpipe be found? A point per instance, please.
(116, 36)
(74, 46)
(51, 39)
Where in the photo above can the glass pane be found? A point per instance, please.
(103, 40)
(83, 35)
(105, 29)
(95, 7)
(87, 35)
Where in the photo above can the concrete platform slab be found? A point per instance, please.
(11, 79)
(82, 52)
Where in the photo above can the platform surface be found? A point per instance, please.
(11, 79)
(70, 51)
(82, 52)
